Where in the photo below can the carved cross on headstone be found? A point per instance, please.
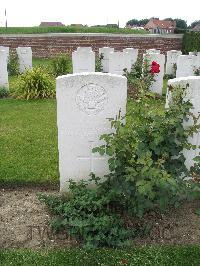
(91, 158)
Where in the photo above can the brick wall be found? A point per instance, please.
(46, 45)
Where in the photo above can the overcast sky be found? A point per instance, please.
(92, 12)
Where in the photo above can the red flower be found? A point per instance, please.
(155, 68)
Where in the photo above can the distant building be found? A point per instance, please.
(51, 24)
(113, 25)
(160, 26)
(134, 27)
(77, 25)
(196, 28)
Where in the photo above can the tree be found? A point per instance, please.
(141, 22)
(180, 23)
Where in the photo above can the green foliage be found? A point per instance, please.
(3, 92)
(180, 23)
(61, 65)
(35, 83)
(86, 215)
(191, 42)
(98, 65)
(139, 79)
(141, 22)
(146, 159)
(13, 65)
(146, 166)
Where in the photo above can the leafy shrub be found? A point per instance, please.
(191, 42)
(61, 65)
(140, 78)
(3, 92)
(146, 158)
(146, 166)
(98, 65)
(34, 84)
(13, 65)
(85, 215)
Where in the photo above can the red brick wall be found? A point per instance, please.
(46, 45)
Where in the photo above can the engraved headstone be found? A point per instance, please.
(171, 65)
(83, 60)
(3, 69)
(186, 65)
(157, 85)
(25, 58)
(105, 51)
(132, 57)
(5, 49)
(152, 51)
(118, 61)
(84, 102)
(192, 85)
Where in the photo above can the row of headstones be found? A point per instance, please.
(84, 102)
(24, 58)
(115, 62)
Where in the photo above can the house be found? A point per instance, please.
(157, 26)
(134, 27)
(196, 28)
(51, 24)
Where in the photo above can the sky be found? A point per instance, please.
(92, 12)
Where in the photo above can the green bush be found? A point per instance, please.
(35, 83)
(3, 92)
(86, 215)
(146, 166)
(191, 42)
(13, 65)
(98, 65)
(61, 65)
(139, 79)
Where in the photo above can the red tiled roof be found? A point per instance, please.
(163, 24)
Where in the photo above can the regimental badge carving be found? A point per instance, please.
(91, 98)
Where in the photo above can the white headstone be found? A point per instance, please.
(118, 61)
(83, 60)
(157, 85)
(3, 69)
(186, 65)
(25, 58)
(132, 56)
(105, 51)
(193, 94)
(84, 49)
(5, 49)
(172, 57)
(152, 51)
(84, 103)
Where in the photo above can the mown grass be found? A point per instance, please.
(148, 256)
(67, 29)
(28, 141)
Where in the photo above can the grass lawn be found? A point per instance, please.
(159, 256)
(28, 141)
(68, 29)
